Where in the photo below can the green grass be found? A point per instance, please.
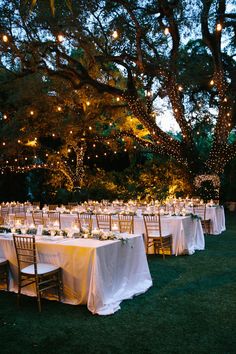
(189, 309)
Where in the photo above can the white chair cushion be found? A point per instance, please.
(2, 260)
(157, 234)
(41, 267)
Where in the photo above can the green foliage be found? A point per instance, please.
(207, 191)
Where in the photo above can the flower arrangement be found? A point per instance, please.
(101, 235)
(128, 212)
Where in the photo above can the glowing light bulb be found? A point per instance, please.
(166, 31)
(31, 113)
(115, 34)
(60, 38)
(219, 27)
(212, 82)
(5, 38)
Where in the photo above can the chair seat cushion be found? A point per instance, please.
(41, 267)
(157, 234)
(3, 260)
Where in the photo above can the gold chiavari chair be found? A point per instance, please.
(4, 272)
(200, 210)
(155, 237)
(54, 219)
(126, 223)
(38, 218)
(104, 221)
(5, 212)
(19, 210)
(19, 220)
(85, 220)
(1, 220)
(45, 276)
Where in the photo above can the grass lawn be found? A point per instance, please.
(190, 309)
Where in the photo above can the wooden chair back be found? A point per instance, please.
(104, 221)
(126, 223)
(25, 251)
(85, 220)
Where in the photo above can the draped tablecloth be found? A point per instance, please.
(187, 233)
(217, 216)
(98, 273)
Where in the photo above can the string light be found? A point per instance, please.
(166, 31)
(60, 38)
(5, 38)
(31, 113)
(115, 34)
(219, 27)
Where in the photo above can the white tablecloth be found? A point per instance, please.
(217, 216)
(98, 273)
(187, 233)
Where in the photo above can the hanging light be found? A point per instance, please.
(219, 27)
(60, 38)
(5, 38)
(166, 31)
(115, 34)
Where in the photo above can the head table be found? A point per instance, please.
(98, 273)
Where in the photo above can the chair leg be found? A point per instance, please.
(60, 287)
(38, 295)
(19, 289)
(7, 277)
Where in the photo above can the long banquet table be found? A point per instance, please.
(98, 273)
(187, 233)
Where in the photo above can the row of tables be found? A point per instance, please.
(103, 273)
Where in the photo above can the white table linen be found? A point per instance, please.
(98, 273)
(217, 216)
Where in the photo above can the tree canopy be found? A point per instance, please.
(152, 59)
